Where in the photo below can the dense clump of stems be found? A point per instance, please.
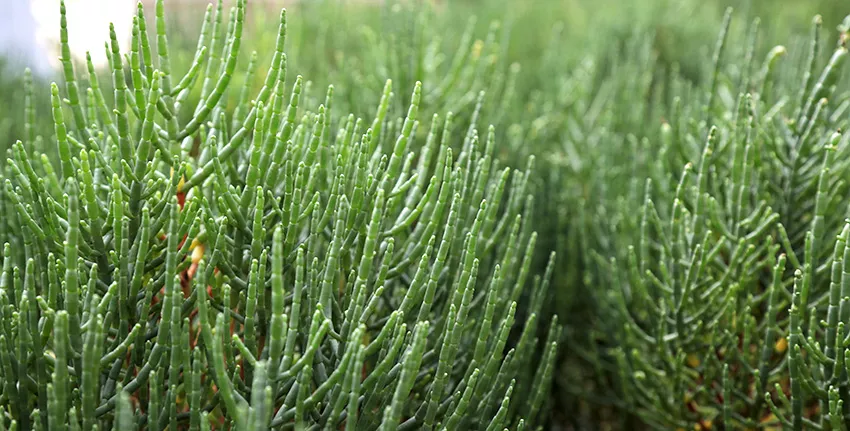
(280, 267)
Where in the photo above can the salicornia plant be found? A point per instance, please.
(727, 253)
(281, 267)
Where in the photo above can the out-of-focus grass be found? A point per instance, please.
(338, 41)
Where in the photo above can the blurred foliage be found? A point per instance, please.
(337, 40)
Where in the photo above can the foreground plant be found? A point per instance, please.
(264, 271)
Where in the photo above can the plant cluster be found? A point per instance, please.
(722, 235)
(243, 248)
(277, 267)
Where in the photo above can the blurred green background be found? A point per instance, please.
(341, 41)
